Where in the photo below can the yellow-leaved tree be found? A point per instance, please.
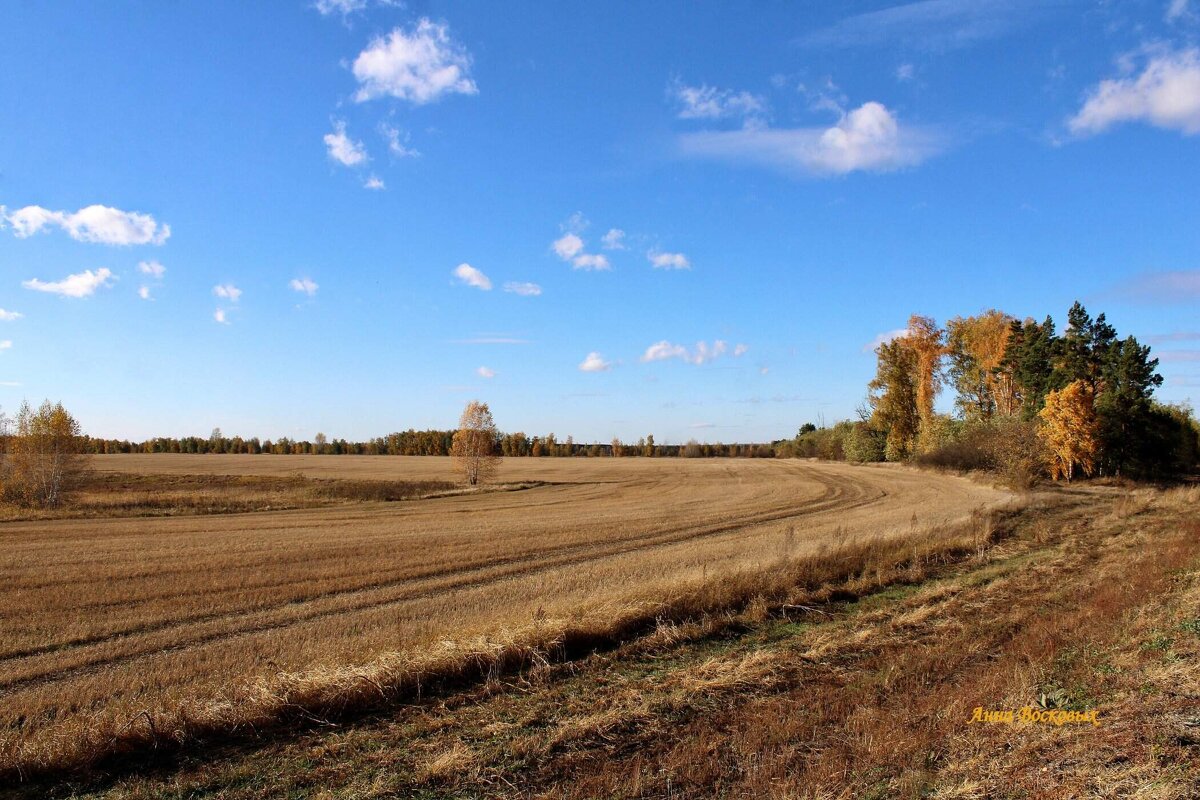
(44, 456)
(475, 443)
(1070, 430)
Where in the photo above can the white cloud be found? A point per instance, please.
(668, 260)
(660, 351)
(884, 338)
(595, 363)
(219, 316)
(472, 277)
(305, 285)
(869, 139)
(419, 66)
(396, 146)
(1166, 94)
(227, 291)
(709, 102)
(144, 292)
(96, 224)
(589, 261)
(152, 268)
(342, 148)
(614, 239)
(701, 354)
(10, 316)
(568, 246)
(375, 183)
(485, 372)
(905, 72)
(740, 350)
(6, 344)
(81, 284)
(523, 289)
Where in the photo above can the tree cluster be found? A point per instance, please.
(1086, 393)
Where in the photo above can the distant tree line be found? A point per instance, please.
(1028, 401)
(426, 443)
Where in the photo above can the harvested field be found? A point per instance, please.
(110, 621)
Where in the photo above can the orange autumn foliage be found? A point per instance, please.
(1070, 430)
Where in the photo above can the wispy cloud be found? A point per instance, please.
(486, 372)
(304, 285)
(1177, 10)
(81, 284)
(523, 289)
(144, 292)
(1175, 286)
(96, 224)
(868, 139)
(374, 183)
(595, 363)
(343, 7)
(1165, 94)
(1161, 338)
(220, 317)
(1178, 355)
(934, 24)
(228, 292)
(342, 148)
(711, 103)
(397, 141)
(418, 65)
(10, 316)
(468, 275)
(6, 344)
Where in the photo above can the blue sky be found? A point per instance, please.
(688, 219)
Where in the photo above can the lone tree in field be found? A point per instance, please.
(44, 456)
(474, 445)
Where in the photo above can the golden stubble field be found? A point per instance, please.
(104, 619)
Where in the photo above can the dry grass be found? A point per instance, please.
(120, 634)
